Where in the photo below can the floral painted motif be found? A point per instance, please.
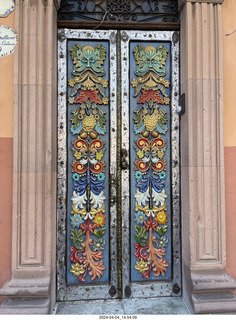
(76, 220)
(88, 123)
(161, 217)
(140, 217)
(150, 123)
(88, 91)
(100, 220)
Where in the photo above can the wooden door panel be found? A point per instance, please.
(118, 216)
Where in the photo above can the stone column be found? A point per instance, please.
(32, 287)
(207, 288)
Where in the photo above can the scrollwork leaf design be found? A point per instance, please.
(76, 238)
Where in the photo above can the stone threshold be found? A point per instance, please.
(147, 306)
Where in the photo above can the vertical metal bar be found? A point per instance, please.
(61, 167)
(175, 161)
(113, 153)
(119, 182)
(125, 179)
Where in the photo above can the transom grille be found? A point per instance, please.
(160, 11)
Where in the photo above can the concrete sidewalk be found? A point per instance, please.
(152, 306)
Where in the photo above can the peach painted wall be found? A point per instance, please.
(6, 157)
(229, 47)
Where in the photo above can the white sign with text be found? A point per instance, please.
(6, 7)
(8, 40)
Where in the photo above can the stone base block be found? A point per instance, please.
(19, 288)
(24, 306)
(214, 303)
(26, 296)
(213, 292)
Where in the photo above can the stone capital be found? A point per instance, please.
(182, 3)
(57, 3)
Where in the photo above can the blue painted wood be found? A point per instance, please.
(75, 186)
(165, 184)
(158, 183)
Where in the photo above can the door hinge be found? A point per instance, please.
(127, 291)
(175, 37)
(176, 288)
(113, 37)
(124, 36)
(62, 36)
(112, 291)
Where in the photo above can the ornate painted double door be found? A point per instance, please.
(118, 172)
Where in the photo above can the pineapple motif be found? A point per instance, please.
(150, 122)
(88, 123)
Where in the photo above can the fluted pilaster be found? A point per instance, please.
(34, 171)
(202, 79)
(202, 154)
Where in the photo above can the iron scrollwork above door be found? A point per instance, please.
(119, 11)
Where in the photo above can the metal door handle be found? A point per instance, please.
(123, 161)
